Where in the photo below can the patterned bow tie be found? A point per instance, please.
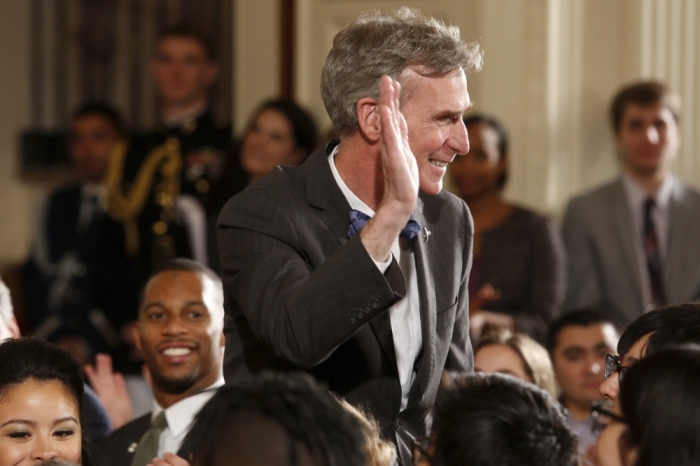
(358, 220)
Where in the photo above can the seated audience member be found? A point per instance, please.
(493, 420)
(659, 423)
(96, 423)
(72, 282)
(517, 277)
(516, 355)
(41, 397)
(632, 244)
(180, 333)
(674, 325)
(578, 344)
(276, 420)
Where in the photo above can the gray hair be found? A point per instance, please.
(376, 44)
(6, 311)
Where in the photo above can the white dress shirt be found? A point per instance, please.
(180, 417)
(636, 196)
(405, 314)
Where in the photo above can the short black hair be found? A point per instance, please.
(501, 133)
(103, 110)
(653, 321)
(304, 129)
(181, 264)
(189, 31)
(23, 359)
(579, 318)
(684, 328)
(492, 419)
(309, 419)
(660, 404)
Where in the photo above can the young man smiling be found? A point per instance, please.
(180, 333)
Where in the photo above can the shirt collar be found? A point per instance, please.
(181, 415)
(354, 201)
(636, 195)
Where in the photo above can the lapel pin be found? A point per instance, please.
(426, 234)
(132, 447)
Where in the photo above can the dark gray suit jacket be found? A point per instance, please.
(118, 449)
(603, 266)
(301, 296)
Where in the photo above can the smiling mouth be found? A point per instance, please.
(438, 163)
(176, 351)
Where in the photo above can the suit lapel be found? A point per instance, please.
(677, 246)
(623, 228)
(324, 195)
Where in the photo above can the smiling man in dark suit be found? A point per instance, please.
(354, 265)
(180, 334)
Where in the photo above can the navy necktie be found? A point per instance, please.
(358, 220)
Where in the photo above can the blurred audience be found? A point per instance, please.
(659, 423)
(516, 355)
(494, 420)
(41, 397)
(518, 273)
(632, 244)
(73, 282)
(578, 344)
(8, 322)
(180, 333)
(277, 420)
(379, 451)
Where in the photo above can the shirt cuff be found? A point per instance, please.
(382, 266)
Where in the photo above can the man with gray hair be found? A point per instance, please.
(354, 265)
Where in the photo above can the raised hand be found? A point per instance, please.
(111, 389)
(398, 162)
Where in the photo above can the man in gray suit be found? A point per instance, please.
(354, 265)
(633, 244)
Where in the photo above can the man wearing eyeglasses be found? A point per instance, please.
(578, 343)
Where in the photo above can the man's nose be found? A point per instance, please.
(653, 135)
(459, 139)
(174, 326)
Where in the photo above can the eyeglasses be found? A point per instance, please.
(420, 450)
(601, 415)
(613, 364)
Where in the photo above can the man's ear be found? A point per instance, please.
(368, 118)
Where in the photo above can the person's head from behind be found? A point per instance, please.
(183, 66)
(677, 322)
(578, 343)
(180, 329)
(517, 355)
(491, 419)
(484, 170)
(379, 452)
(41, 390)
(645, 121)
(661, 410)
(279, 133)
(8, 322)
(276, 420)
(429, 60)
(95, 129)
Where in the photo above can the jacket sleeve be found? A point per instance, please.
(303, 312)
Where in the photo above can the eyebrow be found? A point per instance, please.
(27, 422)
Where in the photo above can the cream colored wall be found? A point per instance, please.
(17, 197)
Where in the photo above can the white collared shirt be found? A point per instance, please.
(636, 196)
(92, 198)
(180, 417)
(405, 314)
